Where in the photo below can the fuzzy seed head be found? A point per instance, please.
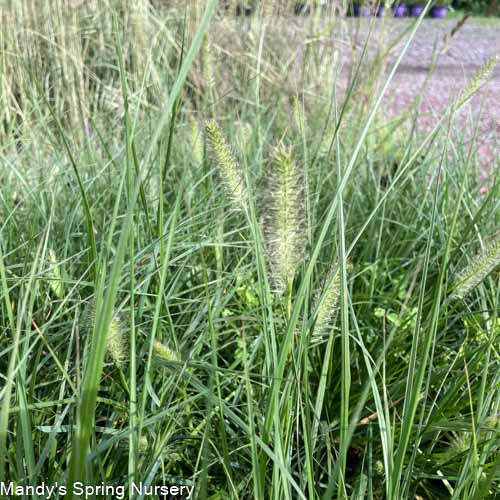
(116, 343)
(208, 64)
(329, 306)
(479, 80)
(142, 445)
(55, 277)
(163, 353)
(284, 219)
(493, 421)
(229, 170)
(480, 266)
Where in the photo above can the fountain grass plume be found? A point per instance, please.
(116, 341)
(164, 354)
(284, 218)
(478, 81)
(229, 170)
(208, 65)
(327, 300)
(327, 308)
(55, 276)
(480, 267)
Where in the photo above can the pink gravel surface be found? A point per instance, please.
(463, 55)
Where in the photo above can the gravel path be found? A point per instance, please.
(458, 61)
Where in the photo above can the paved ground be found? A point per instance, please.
(458, 61)
(459, 58)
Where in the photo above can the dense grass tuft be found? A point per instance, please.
(377, 373)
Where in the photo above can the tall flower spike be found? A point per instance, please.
(481, 265)
(283, 219)
(229, 170)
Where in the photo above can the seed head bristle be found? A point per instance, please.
(208, 64)
(284, 219)
(480, 266)
(55, 277)
(116, 343)
(478, 81)
(327, 300)
(328, 307)
(163, 353)
(224, 158)
(142, 444)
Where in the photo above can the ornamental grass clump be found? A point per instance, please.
(480, 267)
(228, 167)
(284, 219)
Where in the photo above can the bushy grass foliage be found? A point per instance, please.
(222, 264)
